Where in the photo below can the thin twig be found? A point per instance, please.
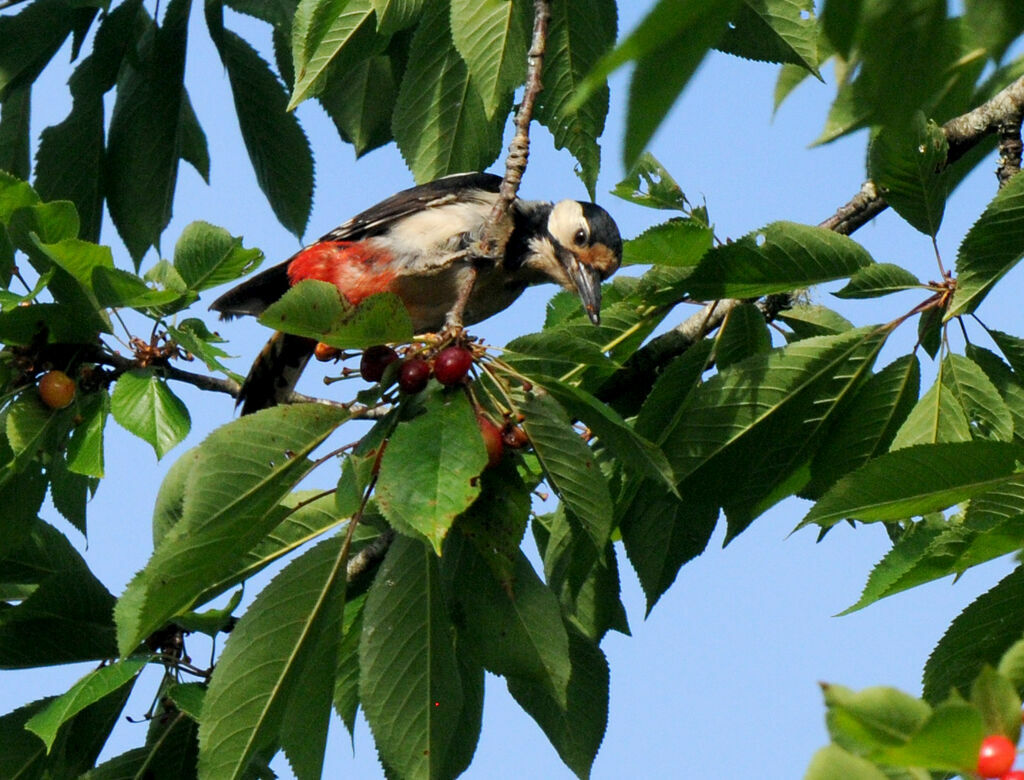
(122, 364)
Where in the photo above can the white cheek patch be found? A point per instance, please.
(566, 218)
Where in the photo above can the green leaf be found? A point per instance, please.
(410, 683)
(649, 184)
(874, 718)
(321, 30)
(744, 333)
(274, 681)
(492, 37)
(667, 46)
(991, 247)
(661, 533)
(569, 466)
(395, 15)
(361, 101)
(574, 44)
(429, 469)
(141, 167)
(948, 741)
(316, 310)
(725, 423)
(207, 256)
(782, 31)
(240, 473)
(979, 635)
(14, 134)
(440, 123)
(91, 688)
(277, 146)
(937, 417)
(634, 452)
(779, 257)
(29, 39)
(999, 703)
(832, 761)
(577, 729)
(868, 425)
(878, 279)
(915, 481)
(994, 24)
(808, 321)
(69, 161)
(908, 166)
(194, 337)
(987, 412)
(516, 631)
(144, 405)
(67, 600)
(678, 243)
(1012, 348)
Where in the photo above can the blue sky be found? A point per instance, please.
(722, 677)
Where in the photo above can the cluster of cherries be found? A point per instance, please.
(996, 757)
(450, 367)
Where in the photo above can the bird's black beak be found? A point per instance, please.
(588, 285)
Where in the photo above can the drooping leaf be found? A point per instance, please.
(661, 533)
(14, 133)
(277, 146)
(440, 123)
(515, 632)
(832, 761)
(986, 411)
(320, 31)
(577, 729)
(915, 481)
(574, 44)
(143, 404)
(649, 184)
(979, 635)
(908, 166)
(274, 682)
(29, 38)
(141, 168)
(429, 469)
(361, 101)
(492, 37)
(569, 465)
(937, 417)
(410, 683)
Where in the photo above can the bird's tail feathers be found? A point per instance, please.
(275, 372)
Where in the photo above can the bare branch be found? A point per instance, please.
(368, 557)
(122, 364)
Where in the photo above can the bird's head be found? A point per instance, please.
(580, 248)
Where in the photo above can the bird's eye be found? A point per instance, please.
(580, 238)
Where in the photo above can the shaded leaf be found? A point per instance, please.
(782, 31)
(878, 279)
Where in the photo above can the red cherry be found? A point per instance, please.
(374, 361)
(452, 364)
(491, 435)
(413, 375)
(56, 389)
(996, 756)
(514, 436)
(1016, 774)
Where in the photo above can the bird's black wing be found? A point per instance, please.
(450, 189)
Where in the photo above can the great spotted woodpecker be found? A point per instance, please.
(418, 244)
